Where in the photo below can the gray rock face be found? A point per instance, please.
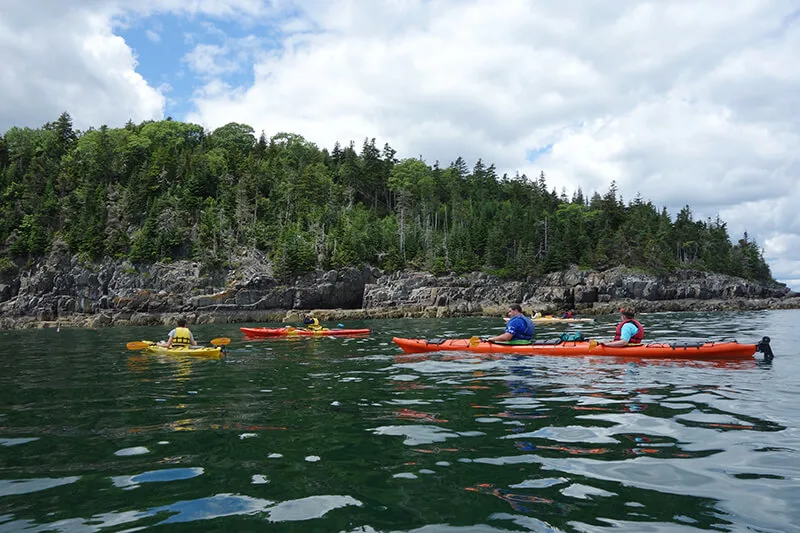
(333, 289)
(60, 288)
(589, 291)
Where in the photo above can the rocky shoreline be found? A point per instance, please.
(412, 311)
(61, 291)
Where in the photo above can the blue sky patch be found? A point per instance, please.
(533, 154)
(180, 54)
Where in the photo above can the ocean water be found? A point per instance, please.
(351, 435)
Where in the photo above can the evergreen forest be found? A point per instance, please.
(168, 190)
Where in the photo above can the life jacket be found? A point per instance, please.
(182, 337)
(637, 337)
(528, 333)
(312, 323)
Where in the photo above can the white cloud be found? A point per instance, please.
(68, 61)
(243, 11)
(211, 61)
(684, 102)
(64, 56)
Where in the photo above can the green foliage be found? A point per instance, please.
(293, 254)
(167, 190)
(6, 266)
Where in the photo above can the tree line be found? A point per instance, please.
(168, 190)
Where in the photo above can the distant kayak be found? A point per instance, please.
(557, 347)
(290, 332)
(558, 320)
(192, 351)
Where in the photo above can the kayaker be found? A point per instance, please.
(629, 330)
(311, 323)
(180, 336)
(519, 328)
(569, 314)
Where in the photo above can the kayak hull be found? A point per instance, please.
(693, 351)
(300, 332)
(210, 352)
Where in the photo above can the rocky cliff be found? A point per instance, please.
(62, 289)
(590, 292)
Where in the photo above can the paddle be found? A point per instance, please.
(141, 345)
(138, 345)
(475, 340)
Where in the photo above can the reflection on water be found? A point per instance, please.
(330, 434)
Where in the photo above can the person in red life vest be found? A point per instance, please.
(629, 330)
(569, 314)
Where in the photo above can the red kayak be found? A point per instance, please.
(557, 347)
(301, 332)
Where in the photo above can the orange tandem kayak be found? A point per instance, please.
(292, 332)
(557, 347)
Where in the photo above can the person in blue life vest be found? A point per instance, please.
(180, 336)
(311, 322)
(629, 330)
(519, 327)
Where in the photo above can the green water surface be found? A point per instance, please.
(350, 435)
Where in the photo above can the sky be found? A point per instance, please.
(683, 102)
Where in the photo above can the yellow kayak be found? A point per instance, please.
(212, 352)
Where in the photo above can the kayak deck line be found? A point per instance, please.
(724, 349)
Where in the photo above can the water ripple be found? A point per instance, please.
(26, 486)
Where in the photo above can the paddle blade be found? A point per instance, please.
(137, 345)
(221, 341)
(291, 329)
(592, 344)
(474, 341)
